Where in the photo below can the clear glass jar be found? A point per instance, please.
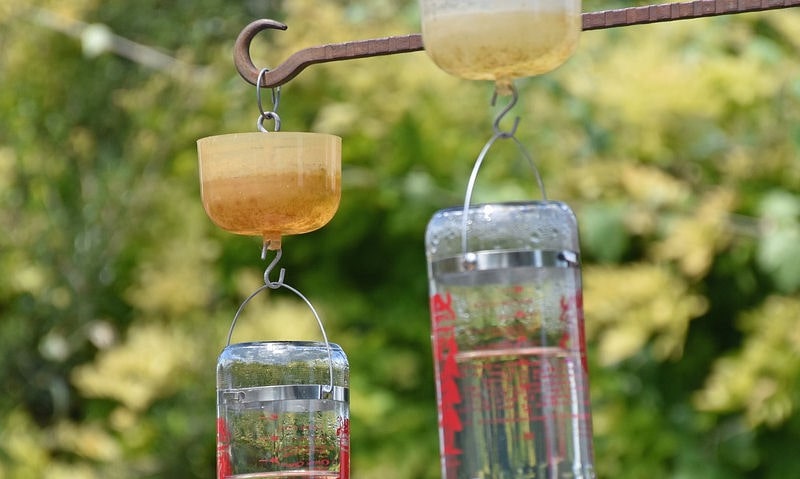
(283, 410)
(500, 40)
(508, 342)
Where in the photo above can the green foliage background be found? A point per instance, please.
(676, 144)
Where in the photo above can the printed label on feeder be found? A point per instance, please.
(445, 352)
(343, 433)
(224, 467)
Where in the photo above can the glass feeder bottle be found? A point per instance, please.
(508, 342)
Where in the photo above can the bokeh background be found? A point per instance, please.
(676, 144)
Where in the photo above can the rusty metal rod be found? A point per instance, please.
(299, 60)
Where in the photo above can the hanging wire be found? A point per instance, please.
(268, 284)
(264, 114)
(498, 134)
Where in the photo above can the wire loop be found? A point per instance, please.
(264, 114)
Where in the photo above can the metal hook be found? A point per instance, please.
(298, 61)
(504, 112)
(276, 94)
(267, 115)
(241, 51)
(271, 266)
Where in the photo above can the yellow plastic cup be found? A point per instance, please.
(270, 184)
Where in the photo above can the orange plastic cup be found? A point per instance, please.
(270, 184)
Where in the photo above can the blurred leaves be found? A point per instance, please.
(676, 144)
(136, 383)
(631, 305)
(694, 241)
(762, 378)
(780, 211)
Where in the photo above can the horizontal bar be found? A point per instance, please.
(622, 17)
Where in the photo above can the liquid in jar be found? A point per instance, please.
(273, 205)
(511, 374)
(270, 184)
(287, 439)
(502, 45)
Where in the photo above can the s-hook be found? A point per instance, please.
(621, 17)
